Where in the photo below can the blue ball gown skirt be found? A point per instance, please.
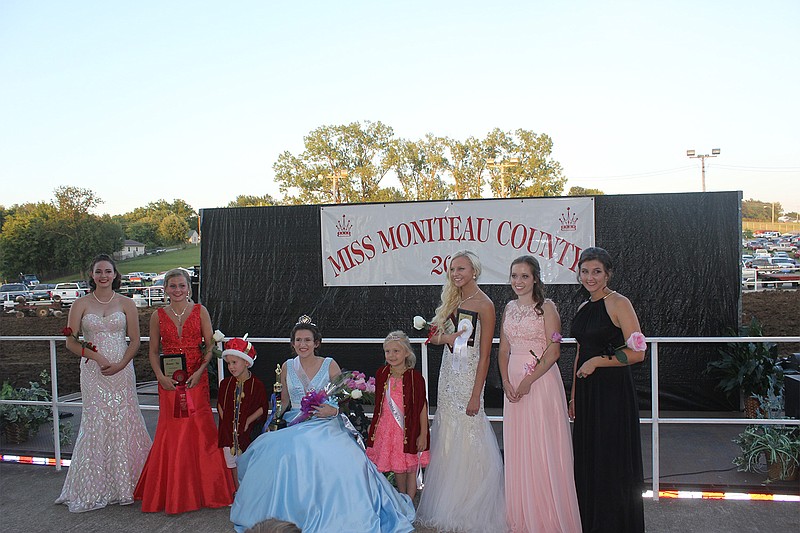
(315, 475)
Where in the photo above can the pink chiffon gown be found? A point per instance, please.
(539, 481)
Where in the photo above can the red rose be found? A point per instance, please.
(66, 331)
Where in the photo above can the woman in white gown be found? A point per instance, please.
(113, 442)
(464, 481)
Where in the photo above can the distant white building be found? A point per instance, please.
(130, 249)
(192, 237)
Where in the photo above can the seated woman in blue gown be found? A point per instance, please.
(314, 473)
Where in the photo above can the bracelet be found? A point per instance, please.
(572, 400)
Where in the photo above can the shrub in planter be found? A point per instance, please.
(750, 368)
(779, 445)
(21, 421)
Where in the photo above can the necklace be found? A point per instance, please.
(101, 301)
(469, 297)
(179, 316)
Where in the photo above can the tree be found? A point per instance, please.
(145, 232)
(580, 191)
(467, 163)
(173, 229)
(523, 164)
(57, 237)
(143, 223)
(244, 200)
(340, 164)
(758, 210)
(420, 167)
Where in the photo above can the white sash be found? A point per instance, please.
(460, 349)
(301, 374)
(396, 414)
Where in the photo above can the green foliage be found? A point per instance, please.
(149, 224)
(581, 191)
(778, 444)
(244, 200)
(30, 416)
(346, 164)
(340, 164)
(758, 210)
(49, 238)
(420, 167)
(751, 367)
(173, 229)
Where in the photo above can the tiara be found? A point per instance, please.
(305, 320)
(394, 337)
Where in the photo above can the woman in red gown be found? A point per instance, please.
(186, 469)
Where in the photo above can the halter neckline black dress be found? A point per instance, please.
(606, 439)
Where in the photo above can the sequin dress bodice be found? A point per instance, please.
(187, 341)
(456, 381)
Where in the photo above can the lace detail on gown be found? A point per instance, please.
(464, 481)
(113, 442)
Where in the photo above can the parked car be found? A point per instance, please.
(43, 291)
(148, 276)
(29, 279)
(784, 262)
(68, 292)
(10, 291)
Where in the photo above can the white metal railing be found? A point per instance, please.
(655, 419)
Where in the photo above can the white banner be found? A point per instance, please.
(411, 243)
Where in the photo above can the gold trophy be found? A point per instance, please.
(277, 421)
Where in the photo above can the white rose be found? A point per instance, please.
(356, 394)
(218, 336)
(419, 322)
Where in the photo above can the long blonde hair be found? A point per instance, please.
(452, 294)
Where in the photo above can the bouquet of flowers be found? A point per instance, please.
(530, 367)
(636, 342)
(67, 332)
(315, 398)
(359, 387)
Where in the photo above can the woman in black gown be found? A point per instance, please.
(606, 439)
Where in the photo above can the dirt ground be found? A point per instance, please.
(20, 362)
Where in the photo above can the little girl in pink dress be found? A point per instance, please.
(398, 435)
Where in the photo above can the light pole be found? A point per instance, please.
(336, 192)
(498, 162)
(773, 211)
(702, 158)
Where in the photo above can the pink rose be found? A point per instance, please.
(637, 342)
(556, 337)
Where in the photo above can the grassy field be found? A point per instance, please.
(186, 257)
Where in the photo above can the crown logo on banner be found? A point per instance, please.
(568, 221)
(344, 228)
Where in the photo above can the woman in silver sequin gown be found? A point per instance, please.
(464, 481)
(113, 442)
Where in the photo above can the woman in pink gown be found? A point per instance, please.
(539, 482)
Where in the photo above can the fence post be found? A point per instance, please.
(655, 417)
(54, 404)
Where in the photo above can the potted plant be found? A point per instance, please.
(750, 368)
(19, 422)
(779, 445)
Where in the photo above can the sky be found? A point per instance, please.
(149, 100)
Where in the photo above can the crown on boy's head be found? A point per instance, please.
(240, 348)
(305, 320)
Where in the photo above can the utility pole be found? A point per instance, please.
(702, 157)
